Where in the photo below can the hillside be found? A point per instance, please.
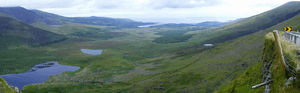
(255, 23)
(15, 32)
(36, 16)
(49, 18)
(5, 88)
(20, 13)
(204, 24)
(253, 71)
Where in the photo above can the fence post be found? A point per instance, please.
(295, 39)
(279, 49)
(289, 37)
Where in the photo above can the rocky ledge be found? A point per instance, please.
(43, 65)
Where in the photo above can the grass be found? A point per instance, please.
(279, 79)
(21, 59)
(5, 88)
(279, 75)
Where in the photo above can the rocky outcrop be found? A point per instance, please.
(6, 88)
(43, 65)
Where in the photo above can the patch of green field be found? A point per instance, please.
(174, 36)
(21, 59)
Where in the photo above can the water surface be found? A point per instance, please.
(39, 74)
(208, 44)
(92, 52)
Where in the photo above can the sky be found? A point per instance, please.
(164, 11)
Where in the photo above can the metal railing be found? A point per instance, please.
(293, 37)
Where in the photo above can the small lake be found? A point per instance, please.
(146, 26)
(91, 52)
(37, 74)
(208, 44)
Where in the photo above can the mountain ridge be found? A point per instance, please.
(13, 31)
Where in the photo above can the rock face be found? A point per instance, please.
(5, 88)
(43, 65)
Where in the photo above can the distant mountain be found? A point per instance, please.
(235, 20)
(50, 18)
(256, 23)
(105, 21)
(211, 24)
(20, 13)
(34, 16)
(16, 32)
(205, 24)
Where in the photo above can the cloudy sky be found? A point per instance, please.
(165, 11)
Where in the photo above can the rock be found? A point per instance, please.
(32, 69)
(47, 66)
(17, 89)
(40, 66)
(49, 63)
(289, 81)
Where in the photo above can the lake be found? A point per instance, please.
(37, 74)
(208, 44)
(91, 52)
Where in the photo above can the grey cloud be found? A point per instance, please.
(36, 4)
(111, 4)
(154, 4)
(265, 5)
(184, 3)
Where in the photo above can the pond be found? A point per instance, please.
(146, 26)
(91, 52)
(208, 44)
(37, 74)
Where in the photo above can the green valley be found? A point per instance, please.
(155, 59)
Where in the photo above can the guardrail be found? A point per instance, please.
(293, 37)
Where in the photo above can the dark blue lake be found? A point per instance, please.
(38, 74)
(91, 52)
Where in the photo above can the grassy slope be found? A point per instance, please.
(20, 13)
(14, 32)
(5, 88)
(277, 85)
(241, 83)
(50, 18)
(254, 23)
(16, 39)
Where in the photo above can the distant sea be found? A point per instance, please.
(192, 20)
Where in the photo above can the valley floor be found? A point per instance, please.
(134, 63)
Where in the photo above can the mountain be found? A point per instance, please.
(255, 23)
(20, 13)
(205, 24)
(251, 74)
(16, 32)
(104, 21)
(54, 19)
(211, 24)
(34, 16)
